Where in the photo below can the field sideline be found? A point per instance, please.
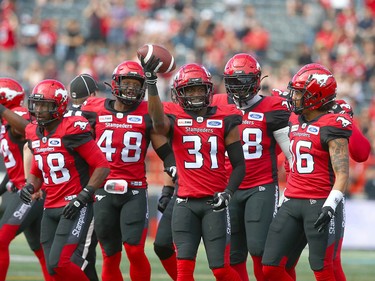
(358, 265)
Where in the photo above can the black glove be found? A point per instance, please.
(324, 218)
(220, 200)
(149, 69)
(26, 192)
(75, 205)
(172, 172)
(165, 198)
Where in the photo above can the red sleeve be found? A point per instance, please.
(359, 145)
(92, 155)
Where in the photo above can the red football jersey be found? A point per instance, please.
(123, 137)
(12, 151)
(63, 170)
(311, 175)
(198, 144)
(259, 145)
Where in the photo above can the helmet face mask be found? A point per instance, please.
(192, 87)
(11, 93)
(316, 85)
(48, 101)
(242, 75)
(242, 88)
(128, 83)
(295, 101)
(194, 97)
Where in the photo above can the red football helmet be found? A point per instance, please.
(317, 85)
(128, 95)
(49, 91)
(11, 93)
(191, 75)
(242, 78)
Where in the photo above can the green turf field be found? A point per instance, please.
(358, 265)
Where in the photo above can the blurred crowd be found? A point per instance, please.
(93, 36)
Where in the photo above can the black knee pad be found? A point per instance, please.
(163, 252)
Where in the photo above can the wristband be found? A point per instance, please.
(334, 198)
(152, 93)
(230, 192)
(167, 190)
(90, 190)
(151, 81)
(152, 90)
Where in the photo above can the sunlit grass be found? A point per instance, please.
(358, 265)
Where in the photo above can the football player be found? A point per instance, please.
(264, 128)
(123, 130)
(359, 151)
(81, 88)
(200, 135)
(64, 156)
(18, 217)
(317, 179)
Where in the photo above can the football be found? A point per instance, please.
(167, 62)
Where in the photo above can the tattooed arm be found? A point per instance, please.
(339, 153)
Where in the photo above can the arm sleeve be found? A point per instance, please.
(165, 153)
(235, 154)
(92, 155)
(27, 160)
(359, 145)
(282, 138)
